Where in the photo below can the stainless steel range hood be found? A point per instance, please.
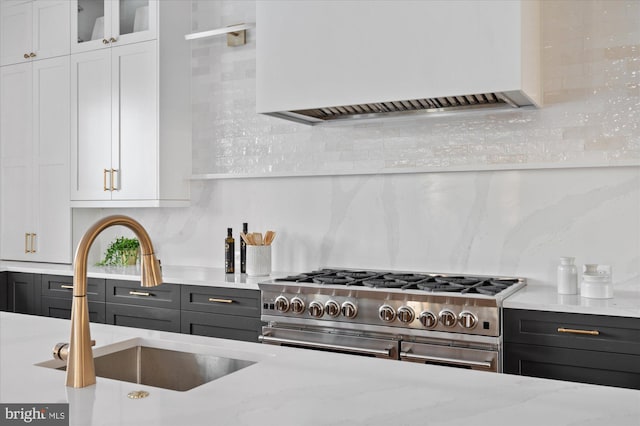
(328, 61)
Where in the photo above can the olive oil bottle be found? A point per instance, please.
(229, 253)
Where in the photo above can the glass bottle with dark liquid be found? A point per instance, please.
(243, 250)
(229, 253)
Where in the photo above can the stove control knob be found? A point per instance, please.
(467, 319)
(282, 304)
(448, 318)
(332, 308)
(297, 305)
(386, 313)
(316, 309)
(428, 319)
(349, 310)
(406, 314)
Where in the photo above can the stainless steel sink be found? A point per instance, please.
(161, 367)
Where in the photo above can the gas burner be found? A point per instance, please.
(407, 278)
(489, 290)
(432, 286)
(384, 283)
(357, 275)
(333, 279)
(459, 282)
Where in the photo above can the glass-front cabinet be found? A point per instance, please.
(97, 24)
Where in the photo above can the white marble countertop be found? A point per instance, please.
(625, 303)
(214, 277)
(293, 387)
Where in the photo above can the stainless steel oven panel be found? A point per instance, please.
(474, 359)
(369, 301)
(380, 348)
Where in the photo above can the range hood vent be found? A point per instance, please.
(323, 61)
(370, 110)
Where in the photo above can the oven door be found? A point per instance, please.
(332, 342)
(453, 356)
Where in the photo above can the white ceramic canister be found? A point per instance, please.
(258, 260)
(567, 276)
(596, 282)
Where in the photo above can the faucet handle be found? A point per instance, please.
(61, 350)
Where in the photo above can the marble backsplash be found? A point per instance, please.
(510, 222)
(493, 222)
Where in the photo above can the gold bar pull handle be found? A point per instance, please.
(216, 300)
(575, 331)
(114, 180)
(104, 179)
(33, 243)
(26, 242)
(139, 293)
(67, 287)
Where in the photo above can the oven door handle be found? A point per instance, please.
(408, 355)
(279, 340)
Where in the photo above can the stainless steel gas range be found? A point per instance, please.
(430, 318)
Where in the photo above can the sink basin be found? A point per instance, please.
(139, 362)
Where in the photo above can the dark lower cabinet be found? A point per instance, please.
(4, 297)
(226, 313)
(582, 348)
(23, 293)
(221, 312)
(161, 319)
(57, 295)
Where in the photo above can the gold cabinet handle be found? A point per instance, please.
(68, 287)
(26, 56)
(105, 41)
(33, 243)
(26, 242)
(139, 293)
(32, 55)
(213, 299)
(104, 179)
(574, 331)
(114, 180)
(113, 40)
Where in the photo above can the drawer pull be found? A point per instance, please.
(139, 293)
(69, 287)
(574, 331)
(213, 299)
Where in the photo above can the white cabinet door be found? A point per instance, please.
(50, 28)
(34, 135)
(100, 24)
(16, 34)
(91, 125)
(15, 143)
(34, 30)
(134, 121)
(51, 208)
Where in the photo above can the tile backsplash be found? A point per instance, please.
(528, 186)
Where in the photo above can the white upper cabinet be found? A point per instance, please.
(99, 24)
(32, 30)
(34, 151)
(131, 118)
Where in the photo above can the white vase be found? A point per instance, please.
(567, 276)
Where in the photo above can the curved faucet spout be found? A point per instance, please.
(80, 365)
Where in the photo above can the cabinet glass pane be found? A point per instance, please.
(134, 16)
(90, 20)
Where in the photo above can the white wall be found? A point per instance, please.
(510, 222)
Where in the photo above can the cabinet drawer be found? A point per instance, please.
(573, 365)
(61, 308)
(62, 287)
(221, 300)
(577, 331)
(131, 293)
(143, 317)
(223, 326)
